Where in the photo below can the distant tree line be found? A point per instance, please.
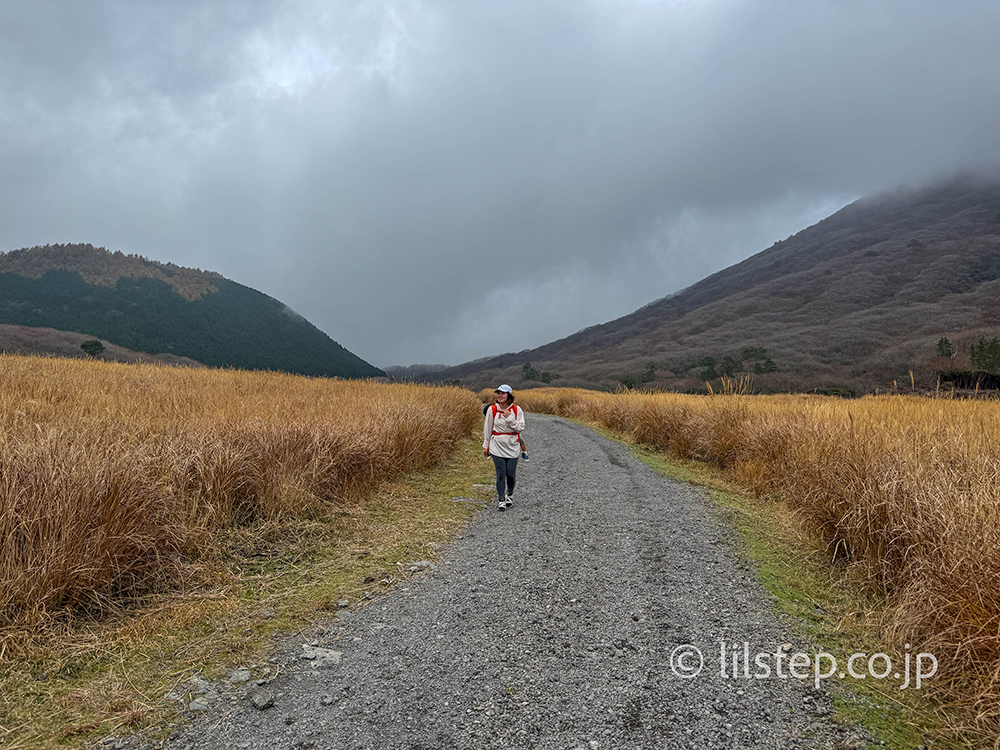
(530, 373)
(648, 376)
(98, 266)
(984, 354)
(985, 357)
(753, 359)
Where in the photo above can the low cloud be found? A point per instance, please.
(413, 177)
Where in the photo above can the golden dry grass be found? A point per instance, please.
(74, 685)
(121, 481)
(904, 490)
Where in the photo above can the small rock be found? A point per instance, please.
(199, 686)
(239, 676)
(326, 700)
(786, 647)
(322, 658)
(198, 704)
(266, 614)
(260, 698)
(343, 603)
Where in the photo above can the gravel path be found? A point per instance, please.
(549, 626)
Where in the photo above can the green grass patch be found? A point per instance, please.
(71, 686)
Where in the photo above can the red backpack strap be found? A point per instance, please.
(497, 408)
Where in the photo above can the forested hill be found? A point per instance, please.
(161, 308)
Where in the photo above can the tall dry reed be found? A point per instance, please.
(113, 478)
(904, 489)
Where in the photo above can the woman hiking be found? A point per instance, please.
(502, 441)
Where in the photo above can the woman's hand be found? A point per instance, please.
(506, 412)
(486, 452)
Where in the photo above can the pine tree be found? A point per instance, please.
(92, 347)
(985, 355)
(729, 366)
(944, 348)
(708, 368)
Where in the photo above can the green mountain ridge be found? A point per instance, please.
(165, 309)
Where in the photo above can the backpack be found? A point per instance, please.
(496, 410)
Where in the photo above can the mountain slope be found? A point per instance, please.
(50, 342)
(165, 309)
(857, 300)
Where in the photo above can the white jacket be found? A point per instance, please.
(501, 435)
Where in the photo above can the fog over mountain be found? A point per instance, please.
(439, 181)
(858, 302)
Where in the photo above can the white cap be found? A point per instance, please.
(505, 388)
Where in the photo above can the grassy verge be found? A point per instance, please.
(818, 600)
(112, 676)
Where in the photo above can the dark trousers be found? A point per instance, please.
(506, 470)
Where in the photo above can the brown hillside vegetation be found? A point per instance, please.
(856, 301)
(904, 490)
(48, 341)
(117, 481)
(101, 267)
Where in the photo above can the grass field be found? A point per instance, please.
(119, 482)
(147, 514)
(112, 676)
(903, 490)
(159, 523)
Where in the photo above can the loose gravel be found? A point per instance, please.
(552, 625)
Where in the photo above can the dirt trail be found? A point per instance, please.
(552, 625)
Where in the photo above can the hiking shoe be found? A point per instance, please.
(524, 456)
(509, 501)
(502, 505)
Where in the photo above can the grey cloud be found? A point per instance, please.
(401, 173)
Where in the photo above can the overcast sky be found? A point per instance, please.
(438, 181)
